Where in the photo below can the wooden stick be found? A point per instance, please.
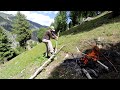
(86, 73)
(77, 49)
(102, 65)
(66, 56)
(94, 72)
(45, 64)
(56, 44)
(110, 63)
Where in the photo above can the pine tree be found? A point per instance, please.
(21, 27)
(61, 21)
(74, 16)
(77, 16)
(6, 51)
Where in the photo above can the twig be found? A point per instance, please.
(93, 71)
(66, 56)
(86, 73)
(56, 43)
(102, 65)
(110, 63)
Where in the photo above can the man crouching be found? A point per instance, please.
(46, 39)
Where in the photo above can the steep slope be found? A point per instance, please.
(4, 15)
(5, 23)
(101, 26)
(24, 65)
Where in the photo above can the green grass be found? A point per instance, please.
(24, 65)
(109, 29)
(27, 62)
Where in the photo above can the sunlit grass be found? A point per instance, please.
(23, 61)
(24, 65)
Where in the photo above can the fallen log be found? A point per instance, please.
(45, 64)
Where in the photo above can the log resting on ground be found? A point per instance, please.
(45, 64)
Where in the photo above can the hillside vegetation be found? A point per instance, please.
(24, 65)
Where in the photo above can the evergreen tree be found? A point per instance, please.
(21, 29)
(61, 21)
(77, 16)
(74, 17)
(6, 52)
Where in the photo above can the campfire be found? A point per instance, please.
(95, 61)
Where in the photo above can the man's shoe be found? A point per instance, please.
(47, 57)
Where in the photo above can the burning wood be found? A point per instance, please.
(91, 63)
(95, 56)
(86, 73)
(96, 50)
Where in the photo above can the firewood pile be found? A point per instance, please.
(97, 62)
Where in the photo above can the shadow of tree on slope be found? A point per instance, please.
(69, 69)
(89, 25)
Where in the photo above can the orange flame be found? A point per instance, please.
(94, 55)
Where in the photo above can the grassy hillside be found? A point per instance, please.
(100, 26)
(24, 65)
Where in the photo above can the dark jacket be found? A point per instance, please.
(49, 34)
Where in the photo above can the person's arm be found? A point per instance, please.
(53, 35)
(56, 37)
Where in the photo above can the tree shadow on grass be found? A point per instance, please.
(89, 25)
(70, 69)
